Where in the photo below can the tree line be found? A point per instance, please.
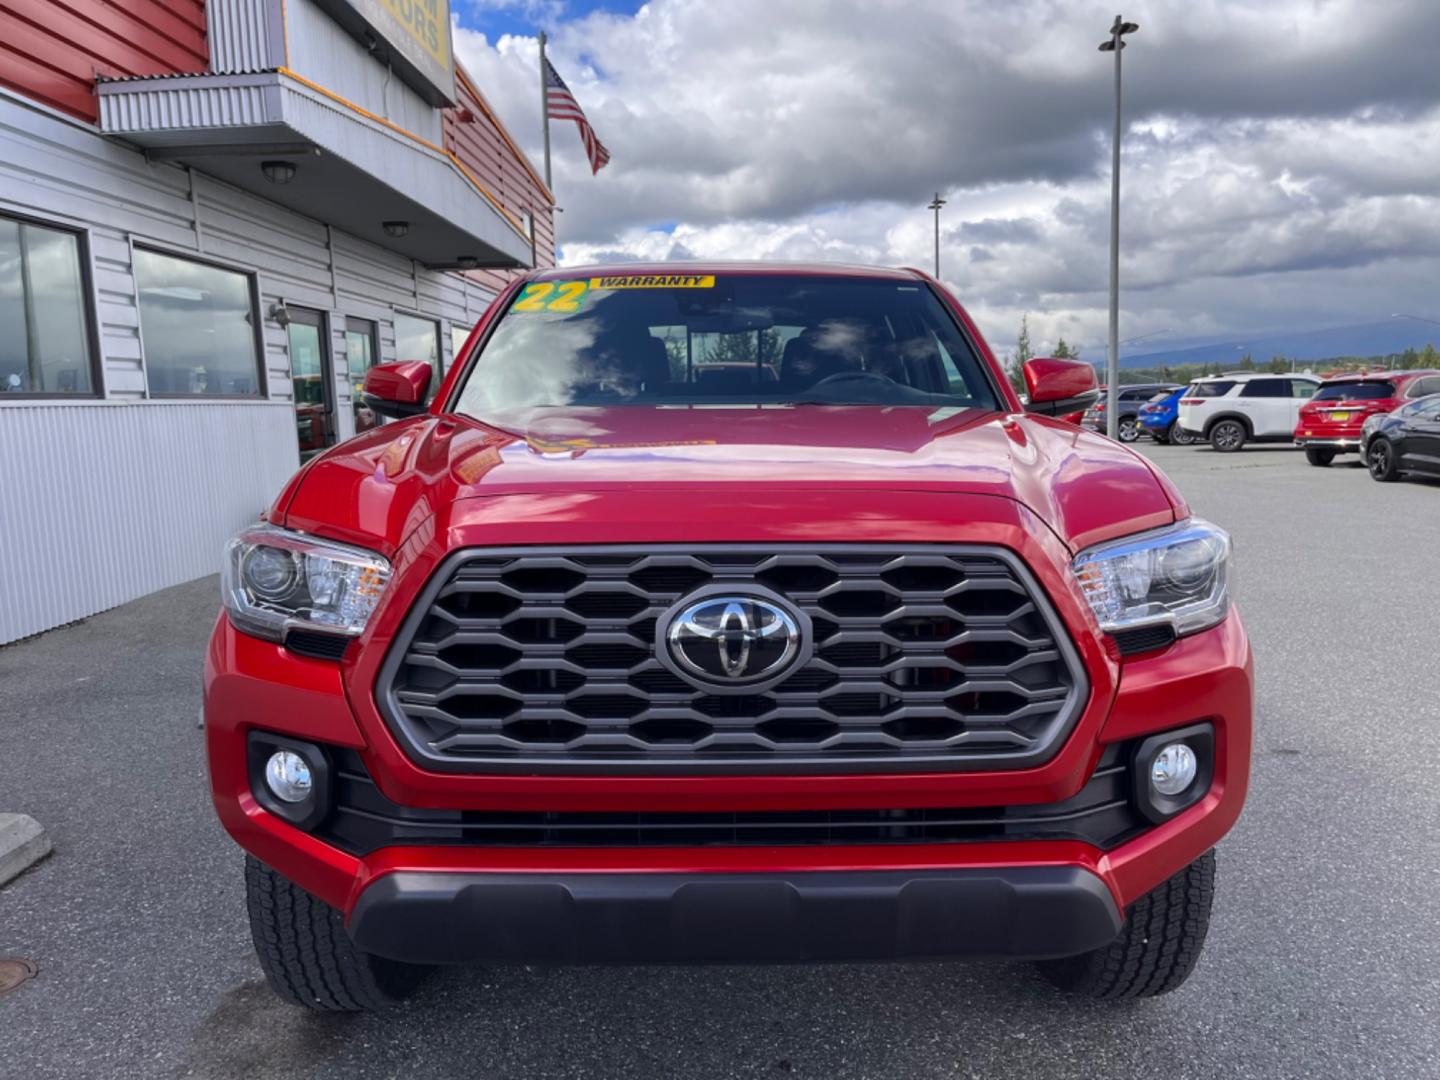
(1408, 359)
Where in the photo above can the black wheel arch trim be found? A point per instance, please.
(1241, 417)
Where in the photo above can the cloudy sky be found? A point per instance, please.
(1281, 168)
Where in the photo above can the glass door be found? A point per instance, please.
(312, 376)
(362, 350)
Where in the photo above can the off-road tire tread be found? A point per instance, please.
(306, 955)
(1158, 947)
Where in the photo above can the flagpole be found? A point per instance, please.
(545, 110)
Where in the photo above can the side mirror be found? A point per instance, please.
(397, 390)
(1059, 387)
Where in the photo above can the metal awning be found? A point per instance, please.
(352, 170)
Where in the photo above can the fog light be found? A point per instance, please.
(287, 775)
(1172, 771)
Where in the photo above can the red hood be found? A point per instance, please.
(378, 488)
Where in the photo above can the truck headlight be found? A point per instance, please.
(1176, 575)
(275, 580)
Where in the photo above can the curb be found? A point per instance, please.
(22, 844)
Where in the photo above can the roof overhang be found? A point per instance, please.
(353, 170)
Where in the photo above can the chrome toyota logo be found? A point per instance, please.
(731, 640)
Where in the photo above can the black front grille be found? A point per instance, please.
(541, 659)
(363, 820)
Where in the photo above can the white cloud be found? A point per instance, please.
(1282, 164)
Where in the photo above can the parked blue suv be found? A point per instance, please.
(1159, 420)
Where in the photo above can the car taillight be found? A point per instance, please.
(1192, 400)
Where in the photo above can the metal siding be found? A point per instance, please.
(245, 35)
(52, 50)
(190, 103)
(163, 514)
(108, 502)
(326, 54)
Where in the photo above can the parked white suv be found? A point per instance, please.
(1231, 410)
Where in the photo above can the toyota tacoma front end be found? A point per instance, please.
(725, 614)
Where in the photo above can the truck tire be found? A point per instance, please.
(1227, 436)
(1319, 456)
(308, 958)
(1157, 948)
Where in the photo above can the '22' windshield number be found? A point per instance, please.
(564, 297)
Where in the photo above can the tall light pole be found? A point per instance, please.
(1115, 43)
(935, 205)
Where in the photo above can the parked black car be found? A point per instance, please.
(1404, 441)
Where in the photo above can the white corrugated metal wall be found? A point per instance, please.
(143, 492)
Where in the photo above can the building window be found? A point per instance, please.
(419, 339)
(197, 323)
(527, 222)
(46, 344)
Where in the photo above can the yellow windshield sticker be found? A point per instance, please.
(655, 281)
(564, 297)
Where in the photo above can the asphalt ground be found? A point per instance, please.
(1323, 958)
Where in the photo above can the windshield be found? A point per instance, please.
(1355, 391)
(712, 339)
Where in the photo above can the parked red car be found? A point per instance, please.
(1331, 421)
(590, 660)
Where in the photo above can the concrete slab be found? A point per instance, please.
(23, 843)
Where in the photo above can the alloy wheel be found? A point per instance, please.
(1228, 435)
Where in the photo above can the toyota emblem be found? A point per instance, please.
(730, 639)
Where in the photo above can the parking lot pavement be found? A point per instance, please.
(1323, 960)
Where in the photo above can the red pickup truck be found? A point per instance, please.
(844, 656)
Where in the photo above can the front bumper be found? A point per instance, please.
(1029, 897)
(1030, 911)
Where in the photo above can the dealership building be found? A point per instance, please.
(214, 218)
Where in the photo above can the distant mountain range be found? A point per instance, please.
(1361, 339)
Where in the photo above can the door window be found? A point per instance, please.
(419, 339)
(459, 334)
(1303, 388)
(310, 376)
(1266, 388)
(361, 352)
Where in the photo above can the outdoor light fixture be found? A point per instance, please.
(278, 172)
(468, 262)
(280, 313)
(935, 205)
(396, 229)
(1115, 43)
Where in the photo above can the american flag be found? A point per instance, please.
(560, 104)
